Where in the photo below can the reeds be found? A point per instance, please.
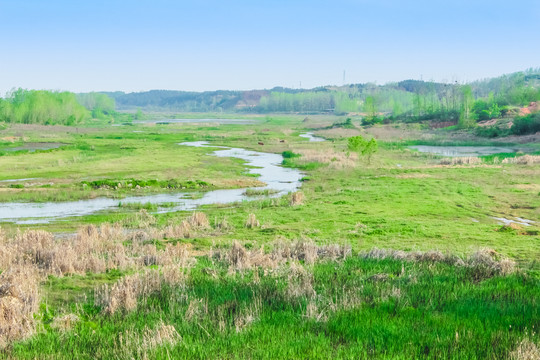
(297, 198)
(238, 258)
(334, 159)
(526, 350)
(180, 231)
(523, 160)
(252, 222)
(19, 299)
(300, 284)
(199, 220)
(313, 281)
(461, 160)
(123, 295)
(133, 345)
(485, 262)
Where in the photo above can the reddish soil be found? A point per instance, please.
(533, 107)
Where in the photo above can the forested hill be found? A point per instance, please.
(222, 100)
(404, 98)
(408, 100)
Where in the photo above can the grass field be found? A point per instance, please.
(307, 278)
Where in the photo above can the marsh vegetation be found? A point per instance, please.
(315, 236)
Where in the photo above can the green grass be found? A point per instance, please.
(418, 205)
(439, 311)
(102, 158)
(403, 200)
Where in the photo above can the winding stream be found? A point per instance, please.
(268, 167)
(312, 138)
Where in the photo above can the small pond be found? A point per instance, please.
(458, 151)
(35, 146)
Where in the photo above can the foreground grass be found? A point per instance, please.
(357, 308)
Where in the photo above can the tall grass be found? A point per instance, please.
(303, 301)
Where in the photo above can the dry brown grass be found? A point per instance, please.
(297, 198)
(337, 133)
(92, 249)
(180, 231)
(199, 220)
(252, 222)
(319, 309)
(65, 322)
(133, 345)
(486, 262)
(239, 258)
(523, 160)
(124, 294)
(414, 176)
(526, 350)
(19, 299)
(248, 316)
(300, 282)
(334, 159)
(223, 224)
(174, 262)
(463, 160)
(143, 219)
(308, 251)
(196, 309)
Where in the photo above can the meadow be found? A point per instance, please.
(397, 257)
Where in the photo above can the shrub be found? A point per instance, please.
(491, 131)
(362, 146)
(289, 154)
(524, 125)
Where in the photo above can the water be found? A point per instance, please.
(460, 151)
(15, 180)
(276, 177)
(36, 146)
(312, 138)
(197, 121)
(519, 221)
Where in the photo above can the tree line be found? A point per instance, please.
(53, 107)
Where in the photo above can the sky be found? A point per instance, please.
(118, 45)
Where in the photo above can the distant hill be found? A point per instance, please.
(410, 98)
(222, 100)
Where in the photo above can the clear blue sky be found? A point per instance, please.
(216, 44)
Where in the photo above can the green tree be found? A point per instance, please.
(467, 102)
(362, 147)
(370, 148)
(42, 107)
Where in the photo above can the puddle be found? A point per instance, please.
(312, 138)
(36, 146)
(278, 179)
(16, 180)
(519, 221)
(458, 151)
